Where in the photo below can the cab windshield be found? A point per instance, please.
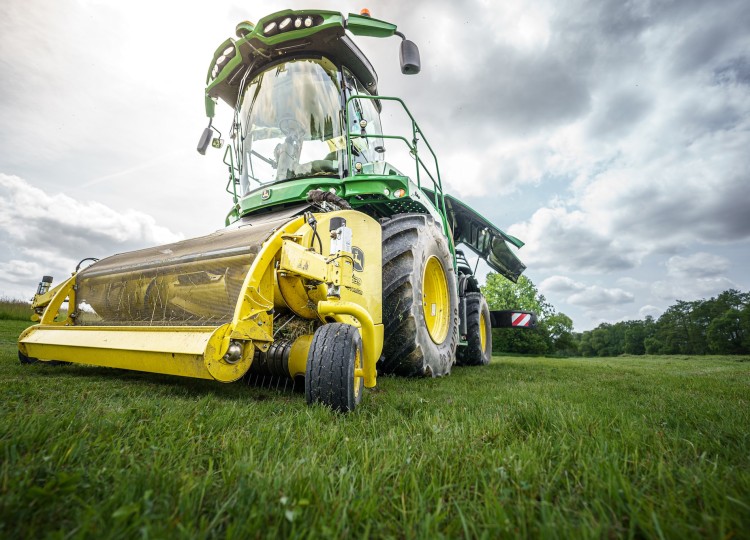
(291, 124)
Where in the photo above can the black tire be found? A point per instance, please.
(477, 315)
(335, 350)
(25, 360)
(409, 242)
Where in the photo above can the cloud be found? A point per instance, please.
(587, 296)
(571, 240)
(561, 284)
(21, 272)
(46, 233)
(649, 311)
(691, 289)
(699, 265)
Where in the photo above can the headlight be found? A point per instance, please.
(270, 28)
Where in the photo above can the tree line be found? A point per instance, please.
(718, 325)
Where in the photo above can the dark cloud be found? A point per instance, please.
(519, 93)
(620, 113)
(735, 70)
(558, 239)
(661, 211)
(699, 265)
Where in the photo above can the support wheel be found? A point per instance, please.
(25, 360)
(335, 353)
(478, 350)
(420, 301)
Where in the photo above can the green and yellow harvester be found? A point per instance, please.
(334, 266)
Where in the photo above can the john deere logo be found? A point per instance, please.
(265, 195)
(359, 259)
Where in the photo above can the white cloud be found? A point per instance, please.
(587, 296)
(47, 234)
(649, 310)
(614, 134)
(631, 283)
(700, 265)
(16, 271)
(600, 297)
(691, 289)
(560, 284)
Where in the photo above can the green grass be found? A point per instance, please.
(623, 447)
(14, 310)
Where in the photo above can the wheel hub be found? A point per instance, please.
(435, 301)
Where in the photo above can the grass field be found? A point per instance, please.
(623, 447)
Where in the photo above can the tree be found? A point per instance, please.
(727, 334)
(560, 331)
(503, 294)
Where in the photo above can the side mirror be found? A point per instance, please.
(409, 56)
(204, 141)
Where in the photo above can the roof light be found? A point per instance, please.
(220, 60)
(283, 25)
(228, 51)
(308, 22)
(365, 12)
(270, 28)
(298, 23)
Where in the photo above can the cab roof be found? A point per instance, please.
(320, 33)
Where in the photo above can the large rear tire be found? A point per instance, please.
(478, 350)
(335, 353)
(420, 301)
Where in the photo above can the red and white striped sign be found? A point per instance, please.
(520, 319)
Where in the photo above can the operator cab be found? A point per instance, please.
(291, 123)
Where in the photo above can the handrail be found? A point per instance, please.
(416, 130)
(232, 179)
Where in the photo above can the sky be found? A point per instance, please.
(611, 136)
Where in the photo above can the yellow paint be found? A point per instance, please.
(302, 262)
(57, 296)
(285, 272)
(435, 301)
(359, 374)
(372, 335)
(482, 331)
(298, 356)
(168, 350)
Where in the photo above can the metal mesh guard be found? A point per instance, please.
(194, 282)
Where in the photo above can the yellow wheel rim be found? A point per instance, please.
(435, 301)
(483, 331)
